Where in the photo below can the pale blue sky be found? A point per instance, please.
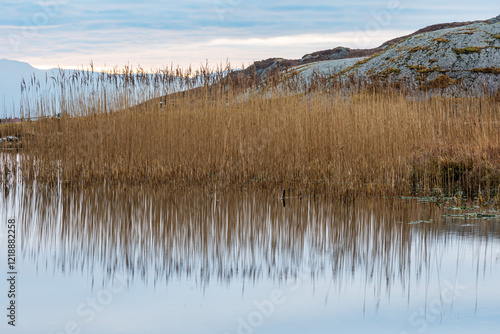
(69, 33)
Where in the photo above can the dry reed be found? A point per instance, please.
(228, 130)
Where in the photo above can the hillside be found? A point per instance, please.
(10, 84)
(460, 52)
(468, 55)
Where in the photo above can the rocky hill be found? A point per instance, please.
(468, 54)
(441, 54)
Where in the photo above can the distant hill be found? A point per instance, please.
(12, 72)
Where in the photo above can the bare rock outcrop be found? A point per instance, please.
(435, 56)
(469, 54)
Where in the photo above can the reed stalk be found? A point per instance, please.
(231, 129)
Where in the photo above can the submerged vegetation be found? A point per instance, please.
(230, 129)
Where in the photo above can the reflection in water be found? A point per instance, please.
(154, 236)
(392, 266)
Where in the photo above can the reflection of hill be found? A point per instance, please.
(157, 235)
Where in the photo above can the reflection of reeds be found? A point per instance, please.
(157, 235)
(341, 136)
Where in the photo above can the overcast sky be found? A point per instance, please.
(70, 33)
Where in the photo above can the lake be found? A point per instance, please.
(139, 260)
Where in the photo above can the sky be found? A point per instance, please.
(155, 34)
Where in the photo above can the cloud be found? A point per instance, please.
(302, 8)
(349, 38)
(70, 33)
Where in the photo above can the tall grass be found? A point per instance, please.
(226, 129)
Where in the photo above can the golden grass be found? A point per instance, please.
(339, 138)
(441, 39)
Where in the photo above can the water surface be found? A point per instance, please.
(149, 261)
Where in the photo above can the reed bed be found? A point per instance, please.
(231, 129)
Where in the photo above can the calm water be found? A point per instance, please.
(143, 261)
